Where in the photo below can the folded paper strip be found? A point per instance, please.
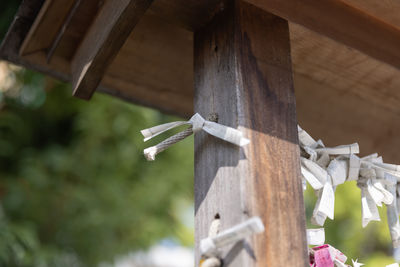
(210, 246)
(325, 168)
(196, 123)
(316, 237)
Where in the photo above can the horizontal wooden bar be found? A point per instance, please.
(106, 36)
(343, 23)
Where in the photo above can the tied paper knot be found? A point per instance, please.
(321, 181)
(323, 172)
(197, 123)
(373, 194)
(378, 182)
(325, 168)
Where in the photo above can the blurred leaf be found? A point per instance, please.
(74, 171)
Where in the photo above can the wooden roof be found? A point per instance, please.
(345, 53)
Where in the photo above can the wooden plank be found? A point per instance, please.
(343, 23)
(345, 69)
(370, 26)
(188, 14)
(60, 33)
(46, 25)
(243, 75)
(19, 29)
(161, 78)
(105, 38)
(386, 10)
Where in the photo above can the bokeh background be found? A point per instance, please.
(76, 191)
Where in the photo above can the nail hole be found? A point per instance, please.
(217, 217)
(212, 117)
(216, 48)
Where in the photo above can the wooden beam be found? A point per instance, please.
(46, 26)
(343, 23)
(19, 29)
(243, 74)
(106, 36)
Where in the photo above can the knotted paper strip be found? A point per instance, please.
(209, 246)
(392, 211)
(197, 123)
(316, 237)
(373, 175)
(325, 168)
(321, 181)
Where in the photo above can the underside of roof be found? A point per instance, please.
(345, 57)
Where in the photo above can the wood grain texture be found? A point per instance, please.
(343, 23)
(338, 84)
(188, 14)
(106, 36)
(158, 77)
(345, 69)
(243, 74)
(386, 10)
(46, 26)
(344, 118)
(23, 20)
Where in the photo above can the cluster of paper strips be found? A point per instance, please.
(325, 168)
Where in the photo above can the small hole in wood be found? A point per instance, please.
(217, 217)
(216, 48)
(212, 117)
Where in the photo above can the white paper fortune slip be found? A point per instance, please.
(392, 211)
(321, 181)
(316, 237)
(197, 124)
(369, 211)
(209, 246)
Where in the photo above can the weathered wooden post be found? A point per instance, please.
(243, 74)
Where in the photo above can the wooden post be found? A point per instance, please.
(243, 74)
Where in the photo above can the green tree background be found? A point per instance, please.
(74, 184)
(75, 189)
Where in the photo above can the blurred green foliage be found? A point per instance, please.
(74, 184)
